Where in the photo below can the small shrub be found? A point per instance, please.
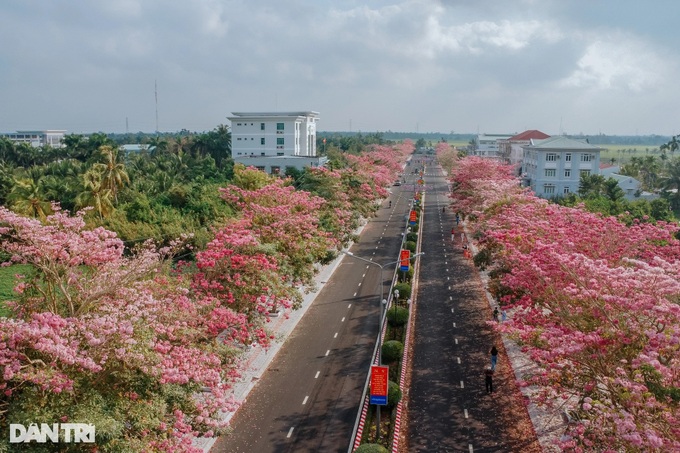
(392, 351)
(404, 290)
(413, 237)
(410, 245)
(397, 317)
(371, 448)
(393, 394)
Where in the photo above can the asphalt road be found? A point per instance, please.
(448, 408)
(307, 400)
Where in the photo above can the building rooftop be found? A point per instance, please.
(275, 114)
(562, 142)
(528, 135)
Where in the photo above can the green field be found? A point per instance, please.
(623, 153)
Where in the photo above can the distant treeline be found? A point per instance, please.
(381, 137)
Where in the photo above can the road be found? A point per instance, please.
(448, 408)
(308, 399)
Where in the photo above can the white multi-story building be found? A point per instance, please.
(553, 166)
(272, 141)
(36, 139)
(486, 145)
(510, 149)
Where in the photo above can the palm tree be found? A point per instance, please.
(28, 198)
(95, 195)
(113, 174)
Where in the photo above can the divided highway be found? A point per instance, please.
(308, 399)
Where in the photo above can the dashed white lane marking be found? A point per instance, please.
(452, 310)
(343, 319)
(316, 376)
(449, 287)
(461, 385)
(304, 401)
(458, 360)
(359, 283)
(329, 351)
(355, 295)
(349, 306)
(447, 270)
(451, 298)
(455, 340)
(290, 432)
(454, 324)
(367, 266)
(448, 278)
(465, 412)
(470, 448)
(336, 334)
(363, 276)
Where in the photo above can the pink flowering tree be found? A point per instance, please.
(594, 304)
(289, 221)
(98, 337)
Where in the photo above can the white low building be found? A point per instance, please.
(272, 141)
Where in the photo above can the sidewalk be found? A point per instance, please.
(548, 423)
(257, 359)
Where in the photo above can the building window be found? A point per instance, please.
(549, 189)
(566, 190)
(279, 141)
(584, 172)
(261, 154)
(259, 167)
(279, 154)
(261, 126)
(586, 157)
(238, 138)
(276, 170)
(567, 157)
(279, 126)
(567, 173)
(262, 141)
(551, 157)
(550, 172)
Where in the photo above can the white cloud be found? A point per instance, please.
(617, 64)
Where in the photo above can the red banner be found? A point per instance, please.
(379, 384)
(405, 258)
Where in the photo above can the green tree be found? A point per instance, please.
(112, 171)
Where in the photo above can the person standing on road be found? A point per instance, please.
(457, 219)
(488, 379)
(494, 357)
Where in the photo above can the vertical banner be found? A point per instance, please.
(405, 259)
(413, 218)
(379, 384)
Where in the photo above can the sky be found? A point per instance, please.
(461, 66)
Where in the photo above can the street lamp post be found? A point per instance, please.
(383, 309)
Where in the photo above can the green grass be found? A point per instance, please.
(7, 282)
(623, 153)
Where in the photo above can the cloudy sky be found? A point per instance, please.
(494, 66)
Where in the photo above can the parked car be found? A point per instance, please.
(397, 183)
